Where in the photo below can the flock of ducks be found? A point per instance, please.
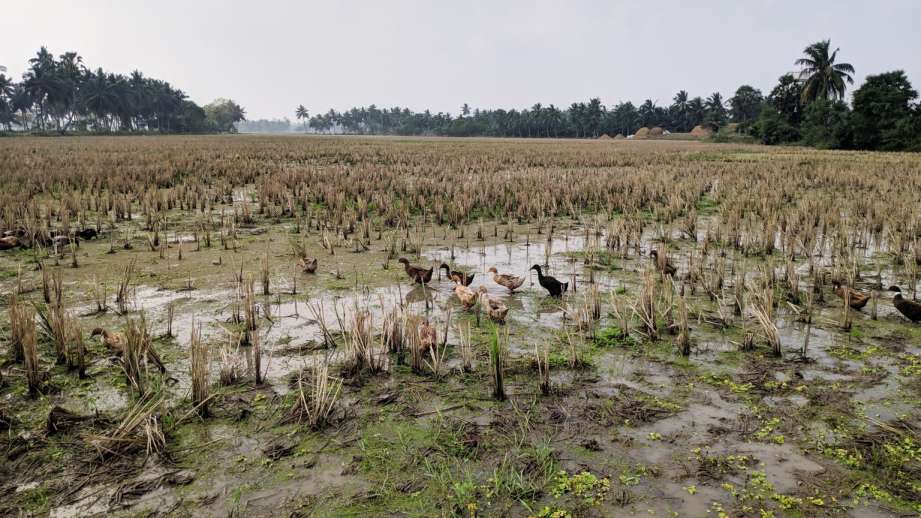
(857, 300)
(497, 310)
(468, 297)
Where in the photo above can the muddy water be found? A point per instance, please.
(706, 417)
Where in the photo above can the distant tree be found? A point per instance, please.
(647, 114)
(465, 110)
(223, 114)
(594, 113)
(680, 112)
(822, 77)
(622, 119)
(302, 114)
(773, 127)
(787, 98)
(745, 105)
(7, 111)
(697, 110)
(883, 112)
(716, 114)
(826, 124)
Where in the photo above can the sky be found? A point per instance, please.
(272, 55)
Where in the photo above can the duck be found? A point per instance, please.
(856, 299)
(456, 276)
(554, 287)
(428, 337)
(418, 274)
(494, 307)
(909, 308)
(9, 242)
(116, 344)
(308, 265)
(511, 282)
(87, 233)
(666, 266)
(467, 296)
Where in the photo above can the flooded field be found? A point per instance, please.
(722, 375)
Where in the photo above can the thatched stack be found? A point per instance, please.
(701, 132)
(641, 133)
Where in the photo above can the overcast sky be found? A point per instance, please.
(271, 55)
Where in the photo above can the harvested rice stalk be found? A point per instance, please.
(200, 367)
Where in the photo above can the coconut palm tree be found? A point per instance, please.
(302, 114)
(822, 77)
(7, 89)
(679, 109)
(715, 111)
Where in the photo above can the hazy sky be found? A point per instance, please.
(271, 55)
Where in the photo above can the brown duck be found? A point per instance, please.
(308, 265)
(665, 266)
(456, 276)
(510, 282)
(909, 308)
(856, 299)
(418, 274)
(467, 296)
(428, 337)
(494, 307)
(116, 344)
(8, 242)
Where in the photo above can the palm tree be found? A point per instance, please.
(302, 114)
(716, 111)
(822, 77)
(7, 89)
(41, 81)
(679, 109)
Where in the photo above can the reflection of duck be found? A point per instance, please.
(494, 308)
(909, 308)
(418, 274)
(554, 287)
(511, 282)
(466, 295)
(663, 265)
(856, 299)
(418, 294)
(456, 276)
(116, 344)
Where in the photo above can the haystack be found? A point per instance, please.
(641, 133)
(701, 132)
(604, 136)
(656, 132)
(619, 136)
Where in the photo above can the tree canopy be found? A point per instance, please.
(63, 94)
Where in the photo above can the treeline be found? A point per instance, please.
(64, 95)
(806, 108)
(880, 117)
(582, 119)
